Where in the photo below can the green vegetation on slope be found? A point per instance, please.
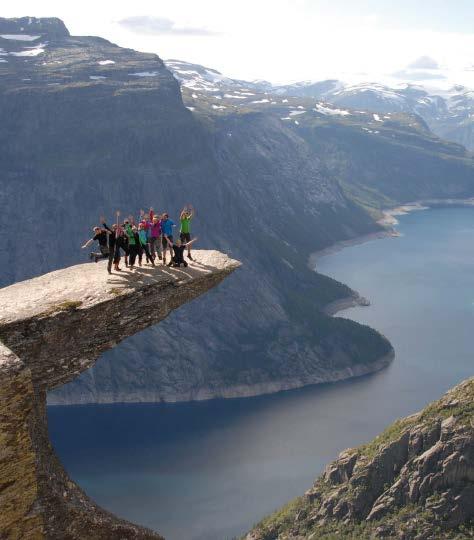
(376, 490)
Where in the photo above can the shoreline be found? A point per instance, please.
(342, 304)
(388, 222)
(241, 391)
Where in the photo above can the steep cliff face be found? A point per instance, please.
(414, 481)
(51, 329)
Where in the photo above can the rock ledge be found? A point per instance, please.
(51, 329)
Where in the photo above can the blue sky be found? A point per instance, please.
(437, 15)
(287, 40)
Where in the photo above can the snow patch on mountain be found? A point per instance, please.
(30, 51)
(296, 113)
(19, 37)
(144, 74)
(329, 111)
(231, 96)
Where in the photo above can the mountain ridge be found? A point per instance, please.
(448, 113)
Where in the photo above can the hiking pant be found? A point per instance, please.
(176, 262)
(133, 251)
(114, 257)
(104, 253)
(144, 248)
(155, 247)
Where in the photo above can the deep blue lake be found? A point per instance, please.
(209, 470)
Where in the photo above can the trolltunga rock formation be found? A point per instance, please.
(51, 329)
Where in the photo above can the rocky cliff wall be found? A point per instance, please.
(51, 329)
(413, 481)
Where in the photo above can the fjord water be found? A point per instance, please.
(209, 470)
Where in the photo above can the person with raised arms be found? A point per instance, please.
(114, 252)
(154, 234)
(167, 231)
(133, 247)
(185, 218)
(143, 241)
(178, 248)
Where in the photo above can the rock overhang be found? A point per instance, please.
(61, 322)
(52, 328)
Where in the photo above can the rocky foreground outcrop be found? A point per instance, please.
(414, 481)
(51, 329)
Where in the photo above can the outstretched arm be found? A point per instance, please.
(88, 243)
(190, 242)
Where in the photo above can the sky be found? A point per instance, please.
(418, 41)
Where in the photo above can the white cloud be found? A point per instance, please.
(150, 25)
(418, 75)
(424, 62)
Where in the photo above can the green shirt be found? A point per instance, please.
(185, 223)
(130, 235)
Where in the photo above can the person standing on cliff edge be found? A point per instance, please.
(167, 231)
(185, 218)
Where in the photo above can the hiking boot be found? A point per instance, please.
(159, 256)
(189, 257)
(96, 258)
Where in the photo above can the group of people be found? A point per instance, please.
(151, 236)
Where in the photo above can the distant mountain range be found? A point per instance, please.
(449, 114)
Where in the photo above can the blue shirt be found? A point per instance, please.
(142, 236)
(167, 227)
